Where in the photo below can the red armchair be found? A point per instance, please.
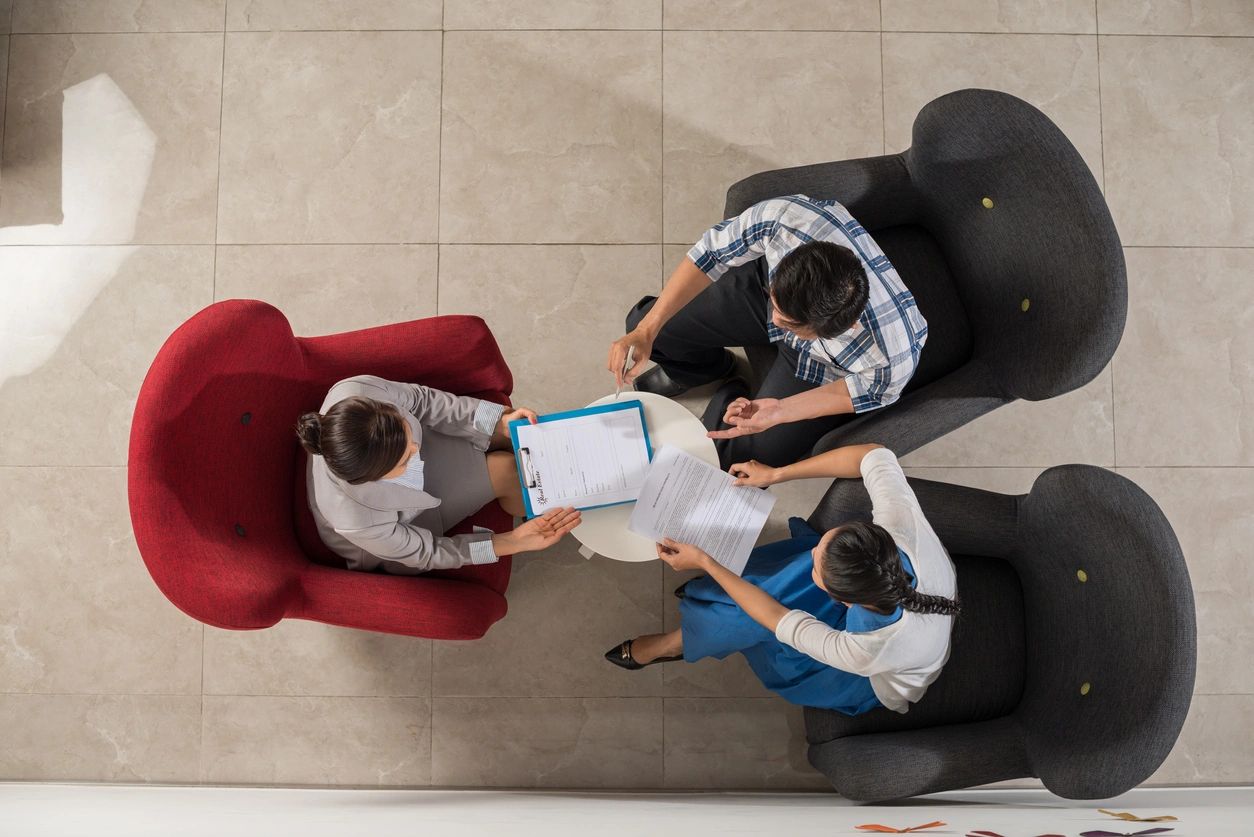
(216, 477)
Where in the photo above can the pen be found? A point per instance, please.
(626, 363)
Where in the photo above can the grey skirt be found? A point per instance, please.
(456, 473)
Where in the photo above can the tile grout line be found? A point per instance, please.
(1101, 144)
(439, 219)
(662, 259)
(639, 29)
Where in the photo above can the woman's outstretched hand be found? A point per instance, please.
(538, 532)
(754, 473)
(682, 556)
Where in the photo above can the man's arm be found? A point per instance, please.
(747, 417)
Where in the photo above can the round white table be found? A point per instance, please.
(604, 531)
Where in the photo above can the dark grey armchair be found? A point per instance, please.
(1073, 660)
(999, 230)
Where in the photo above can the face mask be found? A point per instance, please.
(412, 478)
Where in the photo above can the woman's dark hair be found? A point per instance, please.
(822, 286)
(360, 438)
(861, 566)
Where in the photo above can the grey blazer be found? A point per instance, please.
(376, 524)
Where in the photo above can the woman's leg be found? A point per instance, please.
(647, 648)
(504, 477)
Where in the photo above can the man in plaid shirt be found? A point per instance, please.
(794, 271)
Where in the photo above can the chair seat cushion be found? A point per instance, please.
(922, 267)
(983, 678)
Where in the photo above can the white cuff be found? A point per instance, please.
(481, 552)
(487, 414)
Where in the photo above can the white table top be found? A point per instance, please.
(604, 531)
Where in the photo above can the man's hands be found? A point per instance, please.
(639, 339)
(683, 556)
(746, 417)
(537, 533)
(754, 473)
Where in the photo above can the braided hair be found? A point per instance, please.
(861, 565)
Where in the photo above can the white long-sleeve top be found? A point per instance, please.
(903, 658)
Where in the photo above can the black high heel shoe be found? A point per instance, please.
(620, 655)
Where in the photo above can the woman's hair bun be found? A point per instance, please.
(309, 431)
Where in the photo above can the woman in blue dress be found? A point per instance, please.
(851, 619)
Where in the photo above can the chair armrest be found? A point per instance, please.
(892, 765)
(412, 606)
(922, 415)
(455, 353)
(876, 190)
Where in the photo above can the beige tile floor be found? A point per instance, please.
(543, 164)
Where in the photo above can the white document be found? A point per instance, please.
(686, 500)
(584, 461)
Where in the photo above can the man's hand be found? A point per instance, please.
(754, 473)
(642, 342)
(747, 417)
(682, 556)
(538, 532)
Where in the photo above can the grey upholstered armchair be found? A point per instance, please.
(1001, 233)
(1073, 659)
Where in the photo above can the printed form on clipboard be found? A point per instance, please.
(586, 458)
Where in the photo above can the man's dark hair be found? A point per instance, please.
(821, 286)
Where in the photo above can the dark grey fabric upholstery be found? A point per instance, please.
(1128, 631)
(1047, 239)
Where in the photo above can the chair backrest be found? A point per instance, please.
(211, 461)
(1027, 236)
(1111, 631)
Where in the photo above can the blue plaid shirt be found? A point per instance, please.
(876, 357)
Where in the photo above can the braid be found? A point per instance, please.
(913, 600)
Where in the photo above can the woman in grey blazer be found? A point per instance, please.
(394, 466)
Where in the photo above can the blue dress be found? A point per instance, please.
(715, 626)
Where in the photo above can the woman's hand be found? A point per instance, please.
(754, 473)
(539, 532)
(500, 437)
(682, 556)
(746, 417)
(637, 339)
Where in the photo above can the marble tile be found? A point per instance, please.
(1055, 73)
(1175, 17)
(756, 743)
(316, 741)
(1184, 372)
(6, 14)
(551, 137)
(339, 15)
(1177, 135)
(309, 658)
(565, 611)
(89, 343)
(99, 738)
(4, 85)
(1212, 513)
(755, 15)
(118, 15)
(553, 308)
(713, 137)
(173, 81)
(1075, 427)
(554, 743)
(1212, 748)
(329, 288)
(1071, 16)
(552, 14)
(80, 611)
(340, 145)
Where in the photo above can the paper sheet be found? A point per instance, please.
(583, 461)
(689, 501)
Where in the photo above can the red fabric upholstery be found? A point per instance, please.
(213, 454)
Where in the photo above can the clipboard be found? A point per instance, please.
(522, 455)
